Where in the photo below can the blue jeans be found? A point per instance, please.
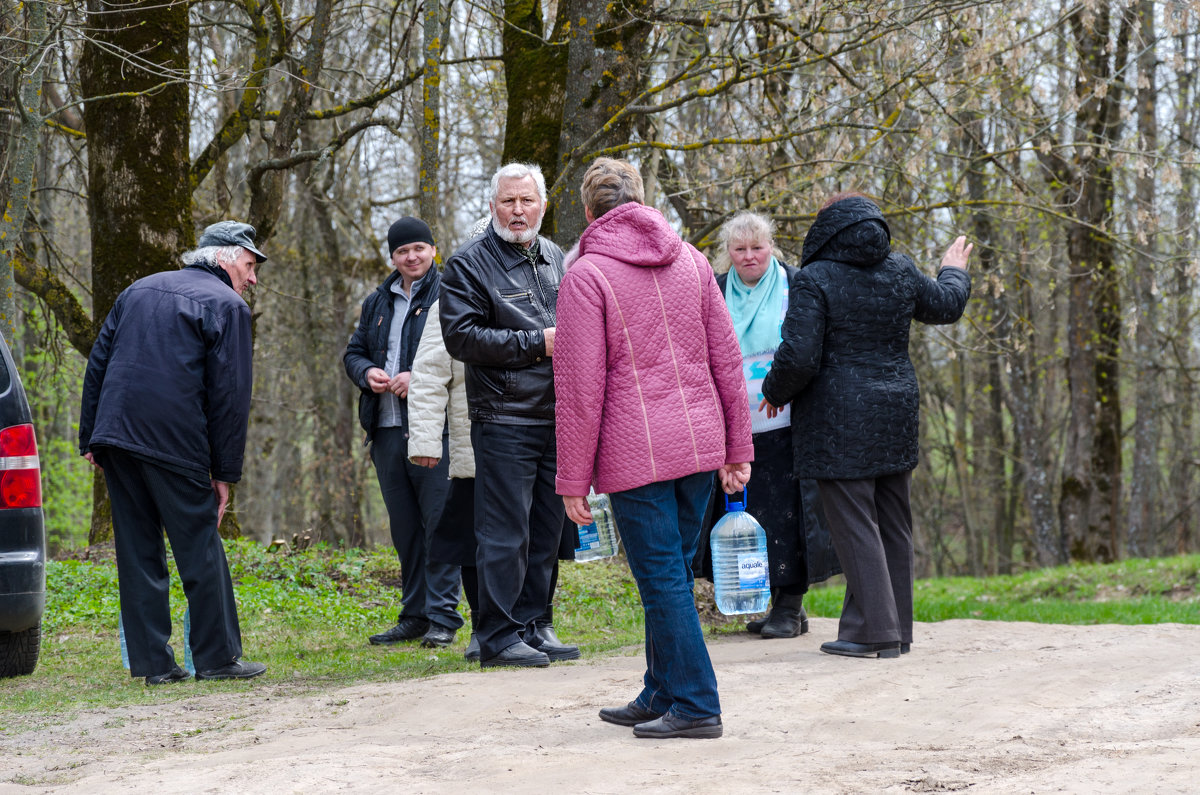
(660, 526)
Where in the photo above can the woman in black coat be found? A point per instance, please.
(844, 366)
(799, 549)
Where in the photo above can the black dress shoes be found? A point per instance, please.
(848, 648)
(556, 651)
(518, 655)
(546, 633)
(905, 648)
(406, 629)
(238, 669)
(438, 636)
(670, 726)
(629, 715)
(176, 674)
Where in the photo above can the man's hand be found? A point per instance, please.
(377, 380)
(578, 510)
(734, 477)
(549, 334)
(429, 462)
(222, 492)
(92, 460)
(398, 386)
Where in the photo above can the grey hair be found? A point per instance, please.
(213, 256)
(746, 226)
(519, 171)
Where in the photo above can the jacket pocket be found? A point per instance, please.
(515, 309)
(494, 381)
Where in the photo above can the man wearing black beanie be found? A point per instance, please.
(379, 360)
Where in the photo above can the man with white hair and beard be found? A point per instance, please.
(498, 317)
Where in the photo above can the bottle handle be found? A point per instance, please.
(741, 504)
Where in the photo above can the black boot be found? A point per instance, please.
(787, 618)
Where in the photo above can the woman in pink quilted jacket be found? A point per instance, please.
(650, 402)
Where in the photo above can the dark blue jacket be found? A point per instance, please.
(844, 359)
(169, 377)
(368, 346)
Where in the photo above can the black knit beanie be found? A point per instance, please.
(408, 230)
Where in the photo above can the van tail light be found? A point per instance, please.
(20, 474)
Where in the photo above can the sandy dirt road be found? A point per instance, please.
(978, 706)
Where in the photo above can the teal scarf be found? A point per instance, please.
(757, 311)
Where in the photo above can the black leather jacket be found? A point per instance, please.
(368, 346)
(494, 308)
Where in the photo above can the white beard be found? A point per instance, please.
(516, 237)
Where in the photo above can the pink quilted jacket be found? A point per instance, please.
(647, 370)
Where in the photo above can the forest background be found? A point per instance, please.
(1058, 418)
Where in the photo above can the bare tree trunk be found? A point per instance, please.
(431, 122)
(990, 426)
(334, 474)
(606, 44)
(1183, 456)
(22, 154)
(1144, 490)
(1091, 488)
(535, 76)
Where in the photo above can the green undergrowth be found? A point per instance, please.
(307, 615)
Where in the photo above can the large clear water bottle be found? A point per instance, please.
(598, 539)
(739, 557)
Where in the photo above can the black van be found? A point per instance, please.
(22, 530)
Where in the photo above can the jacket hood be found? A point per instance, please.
(852, 230)
(634, 234)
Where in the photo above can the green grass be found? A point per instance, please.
(308, 614)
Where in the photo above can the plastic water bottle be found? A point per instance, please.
(598, 539)
(124, 647)
(188, 665)
(739, 557)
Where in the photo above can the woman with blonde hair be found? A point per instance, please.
(799, 550)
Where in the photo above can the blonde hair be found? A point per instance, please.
(609, 183)
(745, 227)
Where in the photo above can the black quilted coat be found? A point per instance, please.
(844, 358)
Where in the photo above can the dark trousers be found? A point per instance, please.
(414, 496)
(146, 499)
(871, 525)
(518, 527)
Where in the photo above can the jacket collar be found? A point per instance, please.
(214, 270)
(428, 282)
